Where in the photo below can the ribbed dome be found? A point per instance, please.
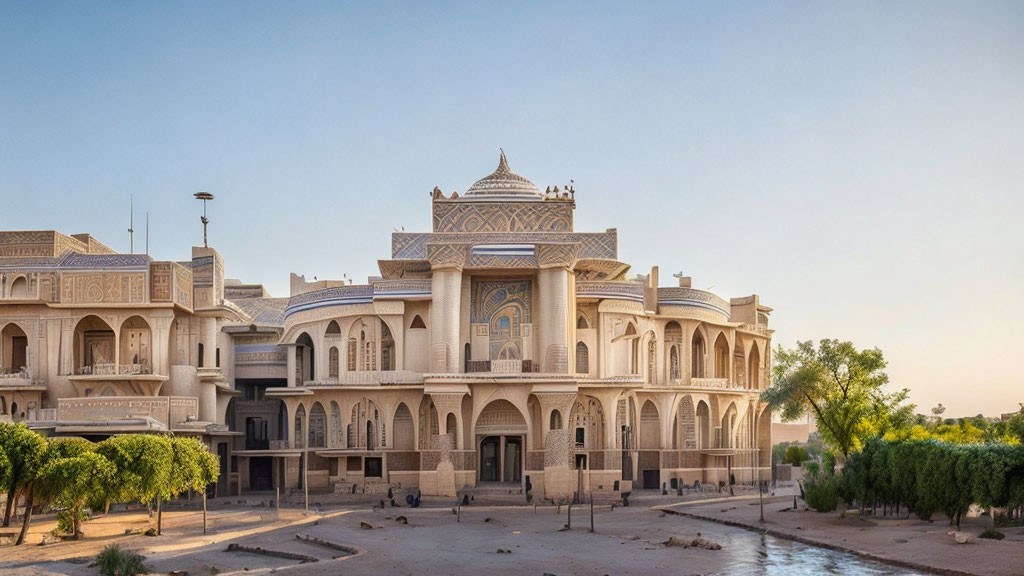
(503, 182)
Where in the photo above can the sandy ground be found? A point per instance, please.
(927, 544)
(626, 541)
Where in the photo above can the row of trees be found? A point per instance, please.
(928, 476)
(72, 473)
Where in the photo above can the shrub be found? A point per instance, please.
(795, 455)
(821, 491)
(116, 562)
(992, 534)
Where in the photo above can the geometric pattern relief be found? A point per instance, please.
(502, 217)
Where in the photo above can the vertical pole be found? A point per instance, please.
(569, 524)
(305, 477)
(458, 513)
(760, 493)
(204, 511)
(591, 511)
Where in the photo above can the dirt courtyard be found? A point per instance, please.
(491, 540)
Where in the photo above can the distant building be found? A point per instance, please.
(501, 346)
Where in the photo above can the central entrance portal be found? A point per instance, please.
(501, 459)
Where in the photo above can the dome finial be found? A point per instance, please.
(503, 163)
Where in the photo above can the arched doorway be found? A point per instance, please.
(501, 435)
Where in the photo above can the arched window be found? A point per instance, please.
(333, 362)
(317, 426)
(721, 357)
(697, 361)
(19, 288)
(333, 330)
(581, 323)
(300, 416)
(387, 348)
(582, 358)
(556, 420)
(417, 323)
(350, 363)
(673, 362)
(335, 424)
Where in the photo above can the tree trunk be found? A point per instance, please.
(28, 515)
(10, 506)
(159, 516)
(76, 523)
(204, 511)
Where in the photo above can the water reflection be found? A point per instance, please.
(754, 554)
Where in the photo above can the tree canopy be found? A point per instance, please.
(23, 450)
(70, 482)
(142, 465)
(842, 387)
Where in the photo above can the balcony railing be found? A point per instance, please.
(754, 328)
(707, 383)
(502, 366)
(18, 379)
(168, 410)
(379, 378)
(108, 369)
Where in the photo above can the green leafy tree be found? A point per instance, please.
(71, 482)
(56, 449)
(194, 467)
(840, 385)
(24, 451)
(142, 464)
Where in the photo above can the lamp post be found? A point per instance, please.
(204, 196)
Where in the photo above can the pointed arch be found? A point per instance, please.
(334, 362)
(19, 287)
(686, 425)
(697, 357)
(703, 414)
(721, 356)
(317, 426)
(14, 347)
(728, 427)
(402, 431)
(417, 323)
(333, 330)
(582, 358)
(754, 367)
(336, 429)
(650, 426)
(93, 344)
(300, 419)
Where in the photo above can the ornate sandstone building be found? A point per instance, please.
(501, 349)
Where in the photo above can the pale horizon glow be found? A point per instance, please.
(859, 166)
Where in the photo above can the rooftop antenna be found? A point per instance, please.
(204, 196)
(147, 233)
(131, 224)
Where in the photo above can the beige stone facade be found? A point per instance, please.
(502, 349)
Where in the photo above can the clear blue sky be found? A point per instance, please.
(859, 165)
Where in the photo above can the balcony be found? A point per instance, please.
(502, 366)
(20, 381)
(126, 379)
(125, 413)
(378, 378)
(714, 384)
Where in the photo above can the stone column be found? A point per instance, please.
(291, 366)
(559, 480)
(446, 297)
(553, 319)
(208, 336)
